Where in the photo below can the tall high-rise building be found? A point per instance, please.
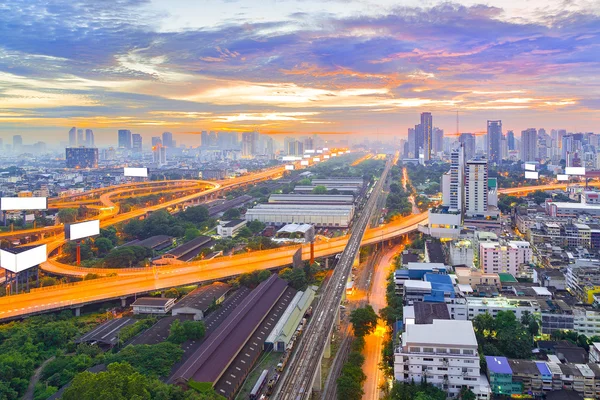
(249, 144)
(17, 143)
(266, 146)
(528, 145)
(156, 140)
(80, 140)
(510, 137)
(204, 139)
(159, 155)
(437, 141)
(136, 143)
(89, 138)
(81, 157)
(476, 184)
(494, 140)
(411, 140)
(457, 167)
(73, 137)
(427, 128)
(167, 139)
(568, 147)
(124, 139)
(295, 148)
(468, 142)
(309, 144)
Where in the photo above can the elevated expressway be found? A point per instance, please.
(133, 281)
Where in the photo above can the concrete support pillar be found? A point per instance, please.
(77, 311)
(318, 381)
(162, 294)
(327, 352)
(123, 302)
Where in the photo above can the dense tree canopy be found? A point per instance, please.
(364, 320)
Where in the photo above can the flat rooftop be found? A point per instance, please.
(441, 333)
(107, 332)
(201, 298)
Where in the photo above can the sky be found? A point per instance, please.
(293, 67)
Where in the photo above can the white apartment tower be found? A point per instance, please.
(455, 194)
(476, 185)
(443, 352)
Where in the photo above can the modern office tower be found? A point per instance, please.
(81, 157)
(468, 142)
(109, 154)
(503, 148)
(295, 148)
(17, 143)
(167, 139)
(418, 140)
(528, 145)
(309, 144)
(80, 140)
(494, 139)
(411, 140)
(156, 140)
(265, 144)
(457, 167)
(476, 187)
(204, 139)
(568, 146)
(249, 144)
(124, 139)
(73, 137)
(427, 127)
(136, 143)
(159, 155)
(89, 138)
(212, 139)
(510, 137)
(227, 141)
(437, 141)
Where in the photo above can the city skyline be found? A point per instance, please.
(296, 68)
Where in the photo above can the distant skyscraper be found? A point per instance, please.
(411, 140)
(437, 142)
(309, 144)
(528, 145)
(156, 140)
(136, 143)
(468, 142)
(568, 146)
(510, 137)
(80, 140)
(249, 144)
(266, 145)
(494, 139)
(167, 139)
(427, 127)
(204, 141)
(89, 138)
(73, 137)
(124, 139)
(17, 143)
(159, 155)
(295, 148)
(81, 157)
(476, 185)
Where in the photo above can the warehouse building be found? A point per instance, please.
(284, 331)
(319, 215)
(152, 305)
(311, 199)
(196, 304)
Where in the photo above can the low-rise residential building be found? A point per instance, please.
(445, 354)
(460, 252)
(595, 353)
(230, 228)
(473, 277)
(495, 257)
(582, 277)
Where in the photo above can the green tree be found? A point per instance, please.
(151, 360)
(197, 214)
(364, 320)
(232, 213)
(245, 232)
(48, 281)
(319, 190)
(256, 226)
(104, 245)
(177, 333)
(134, 229)
(466, 394)
(191, 233)
(296, 277)
(67, 215)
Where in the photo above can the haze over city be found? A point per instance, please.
(294, 67)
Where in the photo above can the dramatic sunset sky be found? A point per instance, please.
(296, 66)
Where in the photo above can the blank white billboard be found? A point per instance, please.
(310, 151)
(306, 156)
(325, 148)
(347, 151)
(304, 162)
(316, 159)
(136, 172)
(23, 203)
(289, 167)
(575, 170)
(530, 167)
(24, 260)
(531, 175)
(333, 154)
(319, 151)
(562, 177)
(82, 230)
(291, 158)
(325, 156)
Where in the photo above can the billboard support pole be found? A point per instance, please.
(78, 252)
(312, 253)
